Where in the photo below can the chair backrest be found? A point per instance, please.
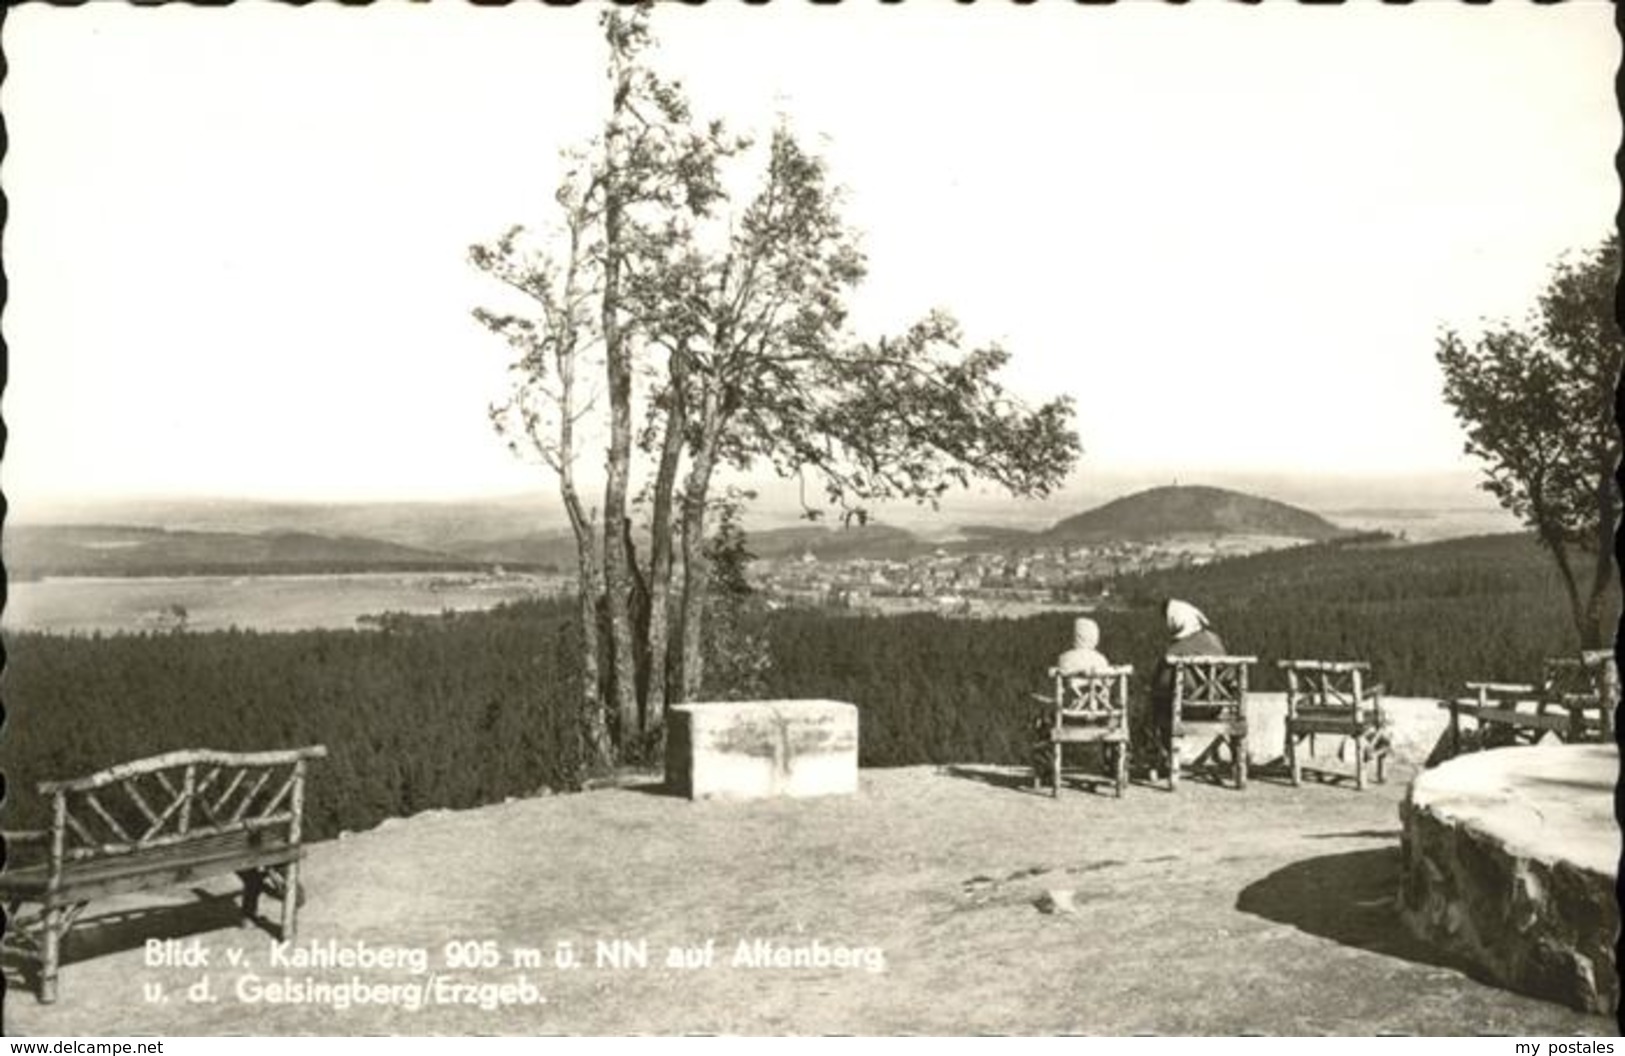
(1211, 681)
(1095, 694)
(1328, 685)
(1588, 680)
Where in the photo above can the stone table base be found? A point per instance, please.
(1511, 858)
(751, 749)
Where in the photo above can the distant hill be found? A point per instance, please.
(558, 548)
(555, 548)
(835, 544)
(994, 534)
(441, 526)
(1190, 509)
(32, 551)
(235, 537)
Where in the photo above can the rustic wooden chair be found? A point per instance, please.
(1575, 701)
(1084, 709)
(1337, 698)
(1210, 703)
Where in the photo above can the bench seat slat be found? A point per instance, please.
(1527, 719)
(151, 867)
(87, 889)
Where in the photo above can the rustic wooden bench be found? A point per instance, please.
(1576, 701)
(171, 819)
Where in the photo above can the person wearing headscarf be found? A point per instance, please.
(1189, 634)
(1185, 620)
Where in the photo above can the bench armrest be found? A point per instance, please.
(26, 847)
(26, 836)
(1502, 687)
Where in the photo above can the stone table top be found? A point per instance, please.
(1550, 802)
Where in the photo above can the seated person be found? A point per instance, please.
(1083, 658)
(1189, 635)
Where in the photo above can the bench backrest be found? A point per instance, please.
(1590, 680)
(1587, 688)
(176, 798)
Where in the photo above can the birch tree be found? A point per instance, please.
(727, 322)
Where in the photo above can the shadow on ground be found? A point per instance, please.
(1016, 779)
(98, 934)
(652, 787)
(1350, 898)
(1020, 779)
(1357, 834)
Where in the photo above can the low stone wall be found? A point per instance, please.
(1511, 858)
(752, 749)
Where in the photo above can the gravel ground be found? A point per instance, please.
(923, 898)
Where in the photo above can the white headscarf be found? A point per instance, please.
(1184, 619)
(1085, 634)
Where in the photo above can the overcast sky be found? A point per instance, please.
(237, 243)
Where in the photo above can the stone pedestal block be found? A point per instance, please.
(757, 748)
(1511, 857)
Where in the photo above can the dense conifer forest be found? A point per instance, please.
(461, 710)
(442, 712)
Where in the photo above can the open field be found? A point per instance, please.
(1202, 912)
(267, 603)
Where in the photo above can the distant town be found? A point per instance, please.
(1015, 582)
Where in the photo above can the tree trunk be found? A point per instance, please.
(694, 565)
(639, 608)
(618, 369)
(589, 588)
(617, 568)
(660, 555)
(1602, 572)
(1586, 627)
(600, 750)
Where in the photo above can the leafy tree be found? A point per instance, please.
(1538, 404)
(770, 378)
(728, 325)
(620, 197)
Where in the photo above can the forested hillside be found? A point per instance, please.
(460, 710)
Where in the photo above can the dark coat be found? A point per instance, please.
(1202, 643)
